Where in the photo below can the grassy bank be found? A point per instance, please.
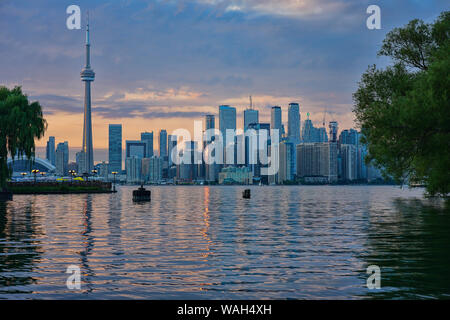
(59, 187)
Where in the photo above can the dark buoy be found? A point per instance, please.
(246, 194)
(141, 194)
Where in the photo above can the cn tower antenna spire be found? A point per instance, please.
(87, 76)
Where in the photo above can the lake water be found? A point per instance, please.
(195, 242)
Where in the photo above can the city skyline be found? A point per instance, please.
(156, 85)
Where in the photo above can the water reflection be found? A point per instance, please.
(87, 243)
(208, 242)
(206, 218)
(411, 247)
(20, 249)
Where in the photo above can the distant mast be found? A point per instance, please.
(87, 76)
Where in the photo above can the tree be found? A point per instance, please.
(21, 122)
(404, 110)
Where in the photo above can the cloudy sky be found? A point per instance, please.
(164, 63)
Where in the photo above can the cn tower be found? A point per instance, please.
(87, 75)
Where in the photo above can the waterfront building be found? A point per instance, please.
(287, 163)
(317, 160)
(87, 76)
(148, 137)
(362, 168)
(359, 169)
(104, 170)
(62, 158)
(23, 164)
(152, 169)
(80, 159)
(349, 162)
(235, 175)
(50, 150)
(133, 167)
(115, 148)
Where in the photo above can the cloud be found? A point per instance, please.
(170, 94)
(289, 8)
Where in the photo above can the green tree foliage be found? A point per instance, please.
(404, 109)
(21, 122)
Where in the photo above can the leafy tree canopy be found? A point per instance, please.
(404, 110)
(21, 122)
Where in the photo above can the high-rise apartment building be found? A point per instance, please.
(163, 143)
(62, 158)
(133, 166)
(317, 160)
(349, 158)
(286, 172)
(294, 123)
(172, 144)
(152, 169)
(50, 150)
(276, 118)
(115, 148)
(148, 137)
(227, 121)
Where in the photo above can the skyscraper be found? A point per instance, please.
(136, 148)
(87, 76)
(172, 142)
(287, 164)
(227, 120)
(333, 131)
(50, 150)
(312, 134)
(294, 123)
(148, 137)
(210, 121)
(275, 118)
(133, 166)
(163, 143)
(250, 116)
(152, 169)
(349, 162)
(210, 170)
(62, 158)
(317, 161)
(115, 148)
